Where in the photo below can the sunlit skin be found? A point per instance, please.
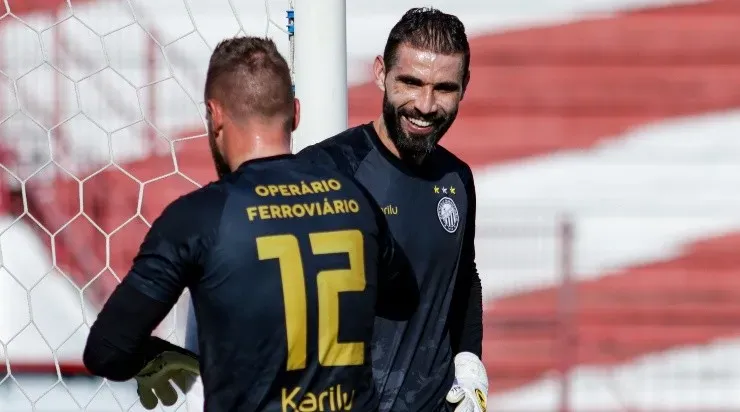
(233, 142)
(422, 93)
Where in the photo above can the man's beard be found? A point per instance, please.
(222, 168)
(414, 146)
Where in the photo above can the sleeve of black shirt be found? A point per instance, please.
(466, 317)
(169, 260)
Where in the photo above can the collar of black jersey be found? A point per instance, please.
(426, 170)
(265, 159)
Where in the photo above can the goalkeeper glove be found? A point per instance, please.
(170, 363)
(469, 391)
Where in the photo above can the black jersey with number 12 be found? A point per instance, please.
(286, 263)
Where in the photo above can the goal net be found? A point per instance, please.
(101, 126)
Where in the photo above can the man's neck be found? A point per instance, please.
(255, 141)
(382, 131)
(258, 152)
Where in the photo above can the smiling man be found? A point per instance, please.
(431, 362)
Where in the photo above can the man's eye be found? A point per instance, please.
(447, 88)
(410, 81)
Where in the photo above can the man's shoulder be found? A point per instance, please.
(449, 161)
(192, 215)
(211, 193)
(344, 151)
(355, 138)
(202, 203)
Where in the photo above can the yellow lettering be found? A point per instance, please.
(251, 212)
(261, 191)
(334, 184)
(317, 187)
(347, 403)
(311, 208)
(308, 404)
(287, 212)
(323, 396)
(327, 208)
(299, 210)
(305, 189)
(294, 190)
(332, 403)
(330, 284)
(264, 211)
(332, 399)
(275, 212)
(286, 250)
(339, 206)
(289, 401)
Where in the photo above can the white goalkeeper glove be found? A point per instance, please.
(153, 381)
(469, 391)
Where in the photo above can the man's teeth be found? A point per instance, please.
(419, 122)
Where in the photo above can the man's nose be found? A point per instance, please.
(425, 102)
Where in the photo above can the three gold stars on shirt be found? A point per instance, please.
(445, 190)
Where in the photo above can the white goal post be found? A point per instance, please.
(320, 69)
(101, 125)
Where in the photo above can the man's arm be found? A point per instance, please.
(466, 311)
(470, 388)
(120, 342)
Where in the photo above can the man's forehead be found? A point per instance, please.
(423, 62)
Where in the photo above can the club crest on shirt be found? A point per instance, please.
(448, 215)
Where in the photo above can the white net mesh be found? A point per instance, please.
(101, 125)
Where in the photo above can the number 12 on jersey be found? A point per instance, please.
(329, 283)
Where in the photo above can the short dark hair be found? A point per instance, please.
(250, 78)
(428, 29)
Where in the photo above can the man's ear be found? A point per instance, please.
(215, 116)
(297, 113)
(379, 72)
(466, 80)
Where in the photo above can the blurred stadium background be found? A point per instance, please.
(604, 136)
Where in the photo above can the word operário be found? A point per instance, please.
(299, 189)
